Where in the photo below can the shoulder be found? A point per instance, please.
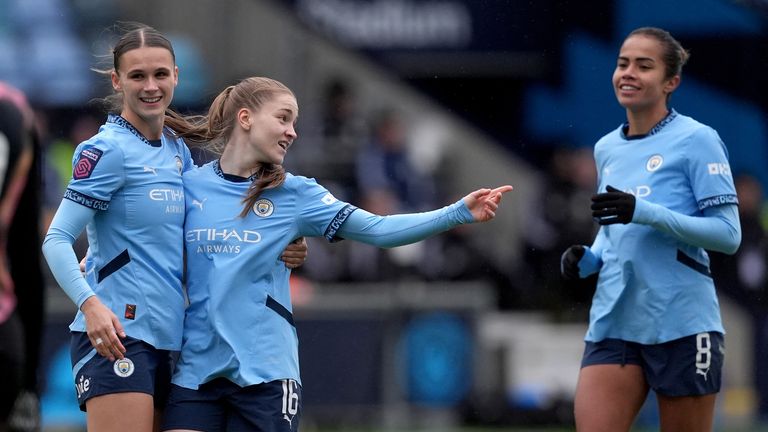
(105, 144)
(608, 139)
(197, 172)
(696, 135)
(694, 128)
(298, 182)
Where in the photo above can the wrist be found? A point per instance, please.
(644, 212)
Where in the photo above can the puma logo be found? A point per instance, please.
(199, 203)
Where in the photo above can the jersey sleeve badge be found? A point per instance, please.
(86, 163)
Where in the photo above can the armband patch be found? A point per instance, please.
(86, 162)
(718, 201)
(338, 220)
(85, 200)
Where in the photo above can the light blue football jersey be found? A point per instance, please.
(239, 323)
(135, 240)
(653, 288)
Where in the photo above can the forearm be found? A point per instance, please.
(398, 230)
(718, 230)
(67, 224)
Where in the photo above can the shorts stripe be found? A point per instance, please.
(79, 365)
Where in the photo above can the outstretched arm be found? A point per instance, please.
(398, 230)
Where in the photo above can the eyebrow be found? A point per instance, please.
(164, 69)
(650, 59)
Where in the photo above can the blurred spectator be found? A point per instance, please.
(559, 219)
(385, 164)
(343, 135)
(21, 282)
(744, 278)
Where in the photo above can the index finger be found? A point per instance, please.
(502, 189)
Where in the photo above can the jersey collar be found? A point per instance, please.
(654, 130)
(122, 122)
(230, 177)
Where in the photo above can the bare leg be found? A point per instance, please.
(120, 412)
(608, 397)
(687, 413)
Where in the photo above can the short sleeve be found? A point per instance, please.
(709, 170)
(97, 172)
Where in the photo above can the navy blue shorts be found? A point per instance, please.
(221, 405)
(689, 366)
(144, 369)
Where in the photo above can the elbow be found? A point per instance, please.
(732, 244)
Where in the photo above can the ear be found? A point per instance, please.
(672, 84)
(175, 76)
(244, 118)
(115, 81)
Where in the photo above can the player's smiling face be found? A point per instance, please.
(146, 77)
(273, 128)
(639, 79)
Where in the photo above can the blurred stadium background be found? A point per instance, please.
(473, 329)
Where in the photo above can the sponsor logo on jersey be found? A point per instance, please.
(130, 311)
(719, 169)
(86, 162)
(166, 195)
(231, 235)
(123, 367)
(199, 204)
(263, 208)
(328, 199)
(654, 163)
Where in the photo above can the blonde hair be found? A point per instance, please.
(215, 128)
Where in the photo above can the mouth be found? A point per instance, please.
(284, 145)
(627, 87)
(150, 100)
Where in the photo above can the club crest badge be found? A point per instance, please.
(123, 367)
(179, 164)
(263, 207)
(86, 162)
(654, 163)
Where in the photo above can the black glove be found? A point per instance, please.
(613, 207)
(569, 262)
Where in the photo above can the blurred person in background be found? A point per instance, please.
(744, 278)
(665, 194)
(126, 188)
(239, 368)
(555, 221)
(21, 281)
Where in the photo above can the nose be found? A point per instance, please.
(291, 132)
(151, 84)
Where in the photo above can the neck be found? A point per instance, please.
(151, 130)
(641, 122)
(237, 162)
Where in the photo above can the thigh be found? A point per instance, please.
(269, 407)
(120, 411)
(686, 413)
(609, 396)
